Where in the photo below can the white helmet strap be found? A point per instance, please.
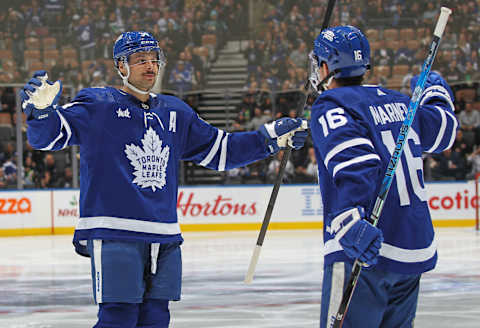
(128, 84)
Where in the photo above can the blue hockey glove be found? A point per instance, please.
(39, 96)
(435, 87)
(285, 131)
(359, 239)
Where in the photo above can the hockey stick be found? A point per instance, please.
(389, 174)
(281, 171)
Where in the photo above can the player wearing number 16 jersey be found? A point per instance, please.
(354, 129)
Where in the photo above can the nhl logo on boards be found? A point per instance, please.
(150, 162)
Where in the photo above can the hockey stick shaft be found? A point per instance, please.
(390, 173)
(281, 171)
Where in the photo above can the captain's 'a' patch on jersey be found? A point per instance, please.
(150, 162)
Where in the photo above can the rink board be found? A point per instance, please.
(221, 208)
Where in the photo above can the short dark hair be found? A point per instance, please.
(350, 81)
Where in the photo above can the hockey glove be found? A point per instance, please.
(359, 239)
(283, 132)
(435, 87)
(39, 96)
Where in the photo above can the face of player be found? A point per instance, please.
(143, 69)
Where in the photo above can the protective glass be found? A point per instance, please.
(313, 76)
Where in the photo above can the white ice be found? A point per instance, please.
(44, 284)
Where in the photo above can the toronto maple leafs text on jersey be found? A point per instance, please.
(355, 131)
(129, 159)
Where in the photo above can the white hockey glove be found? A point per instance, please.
(359, 239)
(285, 131)
(39, 96)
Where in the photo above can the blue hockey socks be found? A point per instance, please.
(153, 314)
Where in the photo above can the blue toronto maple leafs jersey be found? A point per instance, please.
(355, 131)
(129, 159)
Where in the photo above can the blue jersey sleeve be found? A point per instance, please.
(68, 125)
(437, 120)
(220, 150)
(347, 152)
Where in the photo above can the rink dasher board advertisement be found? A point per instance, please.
(210, 208)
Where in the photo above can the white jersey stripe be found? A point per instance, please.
(355, 160)
(454, 130)
(70, 104)
(345, 145)
(436, 91)
(67, 129)
(441, 132)
(63, 125)
(214, 149)
(223, 154)
(392, 252)
(107, 222)
(336, 290)
(97, 258)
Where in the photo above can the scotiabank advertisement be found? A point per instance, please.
(451, 204)
(453, 201)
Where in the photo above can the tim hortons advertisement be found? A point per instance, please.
(247, 204)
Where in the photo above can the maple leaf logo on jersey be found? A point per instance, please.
(150, 163)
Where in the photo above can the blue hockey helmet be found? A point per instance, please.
(344, 49)
(129, 43)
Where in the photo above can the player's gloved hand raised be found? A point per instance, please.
(435, 87)
(359, 239)
(285, 131)
(39, 96)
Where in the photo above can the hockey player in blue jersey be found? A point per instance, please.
(131, 142)
(354, 128)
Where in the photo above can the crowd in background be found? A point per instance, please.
(73, 40)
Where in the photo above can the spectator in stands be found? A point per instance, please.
(256, 173)
(3, 182)
(469, 120)
(241, 120)
(449, 165)
(98, 80)
(452, 73)
(253, 56)
(471, 74)
(197, 66)
(299, 54)
(383, 56)
(49, 180)
(259, 118)
(85, 38)
(181, 78)
(29, 173)
(7, 99)
(274, 167)
(430, 13)
(15, 28)
(9, 169)
(406, 79)
(461, 145)
(403, 56)
(66, 180)
(474, 161)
